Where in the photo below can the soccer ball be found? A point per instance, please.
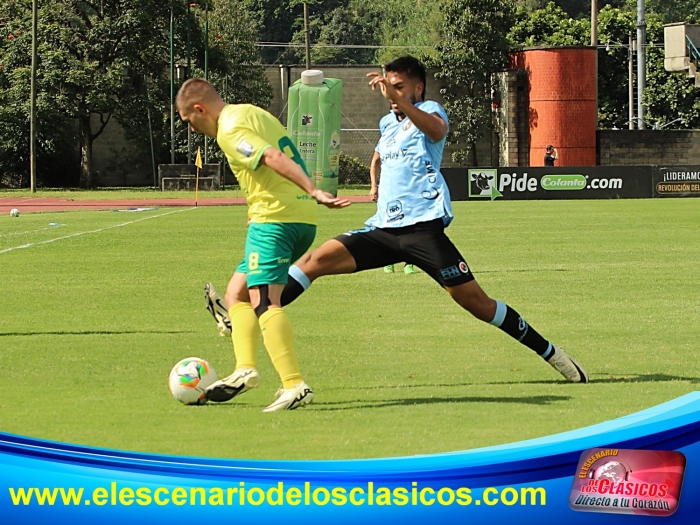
(14, 212)
(189, 379)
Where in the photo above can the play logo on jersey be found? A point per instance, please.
(619, 481)
(484, 183)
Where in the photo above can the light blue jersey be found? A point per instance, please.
(411, 187)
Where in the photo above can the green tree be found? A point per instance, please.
(549, 26)
(89, 57)
(56, 134)
(279, 20)
(356, 23)
(671, 99)
(474, 46)
(235, 67)
(413, 25)
(669, 12)
(275, 21)
(614, 26)
(93, 62)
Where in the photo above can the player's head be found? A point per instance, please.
(550, 148)
(199, 105)
(407, 76)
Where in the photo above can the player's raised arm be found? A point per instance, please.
(290, 170)
(404, 97)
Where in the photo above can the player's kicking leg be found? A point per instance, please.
(434, 253)
(245, 339)
(472, 298)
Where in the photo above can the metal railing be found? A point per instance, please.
(693, 52)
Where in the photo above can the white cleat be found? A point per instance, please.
(567, 366)
(291, 398)
(217, 309)
(240, 381)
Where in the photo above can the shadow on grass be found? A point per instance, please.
(96, 332)
(521, 270)
(450, 385)
(384, 403)
(610, 379)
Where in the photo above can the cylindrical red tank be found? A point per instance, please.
(563, 103)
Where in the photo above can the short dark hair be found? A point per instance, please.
(410, 66)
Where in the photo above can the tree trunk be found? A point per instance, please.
(475, 161)
(86, 179)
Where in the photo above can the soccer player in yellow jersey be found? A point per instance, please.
(282, 225)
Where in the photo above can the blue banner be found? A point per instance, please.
(526, 482)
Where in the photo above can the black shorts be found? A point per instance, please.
(423, 244)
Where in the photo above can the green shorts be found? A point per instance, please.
(271, 247)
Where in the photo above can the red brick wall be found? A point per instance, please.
(563, 107)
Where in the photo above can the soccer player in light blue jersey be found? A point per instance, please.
(374, 169)
(413, 210)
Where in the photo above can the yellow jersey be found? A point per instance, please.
(245, 132)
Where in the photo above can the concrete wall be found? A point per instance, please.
(511, 119)
(640, 147)
(117, 161)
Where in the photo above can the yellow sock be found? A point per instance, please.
(245, 334)
(279, 341)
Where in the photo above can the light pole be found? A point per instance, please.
(32, 104)
(150, 132)
(641, 64)
(630, 74)
(172, 86)
(307, 38)
(189, 72)
(206, 68)
(594, 43)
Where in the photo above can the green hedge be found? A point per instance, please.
(352, 171)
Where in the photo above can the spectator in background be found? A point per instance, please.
(550, 156)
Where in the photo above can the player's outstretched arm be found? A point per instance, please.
(290, 170)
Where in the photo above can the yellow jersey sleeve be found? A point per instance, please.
(244, 133)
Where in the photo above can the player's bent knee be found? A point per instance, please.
(474, 300)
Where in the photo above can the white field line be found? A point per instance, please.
(91, 231)
(30, 231)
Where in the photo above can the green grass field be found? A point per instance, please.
(91, 324)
